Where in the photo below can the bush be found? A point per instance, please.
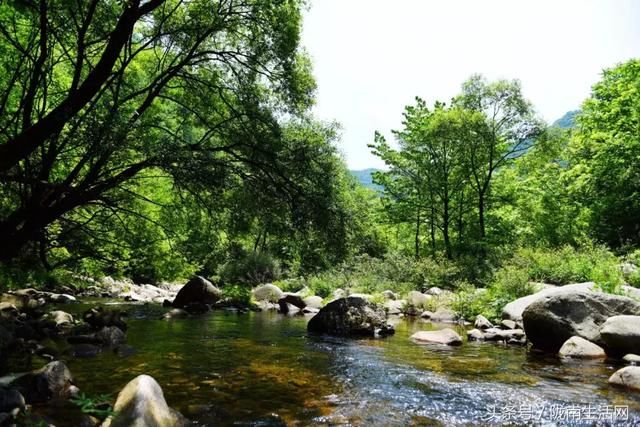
(569, 265)
(238, 295)
(252, 268)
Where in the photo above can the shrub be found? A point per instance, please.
(237, 295)
(252, 268)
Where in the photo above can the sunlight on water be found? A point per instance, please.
(262, 369)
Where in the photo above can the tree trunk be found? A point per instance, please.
(417, 239)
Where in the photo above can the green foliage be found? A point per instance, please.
(237, 295)
(570, 265)
(605, 156)
(97, 406)
(251, 268)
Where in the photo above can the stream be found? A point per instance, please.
(261, 369)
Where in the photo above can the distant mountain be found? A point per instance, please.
(364, 177)
(567, 121)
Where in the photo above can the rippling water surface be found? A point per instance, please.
(262, 369)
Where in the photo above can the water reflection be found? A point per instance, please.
(262, 369)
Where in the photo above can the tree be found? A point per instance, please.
(430, 170)
(508, 130)
(92, 94)
(605, 156)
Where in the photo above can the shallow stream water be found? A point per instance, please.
(227, 368)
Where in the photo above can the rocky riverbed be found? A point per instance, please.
(166, 351)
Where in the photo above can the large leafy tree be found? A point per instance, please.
(509, 128)
(429, 174)
(92, 93)
(605, 156)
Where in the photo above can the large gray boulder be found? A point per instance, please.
(268, 292)
(443, 336)
(553, 319)
(621, 335)
(514, 309)
(141, 403)
(51, 382)
(628, 377)
(350, 316)
(197, 291)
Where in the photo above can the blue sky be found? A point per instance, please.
(372, 57)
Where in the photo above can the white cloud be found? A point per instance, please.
(372, 57)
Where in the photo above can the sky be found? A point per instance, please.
(373, 57)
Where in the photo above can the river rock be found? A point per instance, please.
(85, 350)
(443, 336)
(621, 335)
(482, 322)
(394, 306)
(579, 348)
(6, 338)
(292, 299)
(98, 317)
(475, 335)
(434, 291)
(418, 299)
(268, 292)
(496, 334)
(508, 324)
(350, 316)
(51, 382)
(628, 377)
(443, 315)
(111, 336)
(141, 403)
(313, 301)
(553, 319)
(390, 295)
(8, 311)
(198, 290)
(632, 359)
(61, 318)
(514, 309)
(10, 399)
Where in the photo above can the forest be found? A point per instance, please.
(155, 140)
(187, 145)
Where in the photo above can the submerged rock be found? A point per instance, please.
(621, 335)
(628, 377)
(98, 317)
(579, 348)
(552, 320)
(52, 382)
(141, 403)
(198, 290)
(350, 316)
(443, 336)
